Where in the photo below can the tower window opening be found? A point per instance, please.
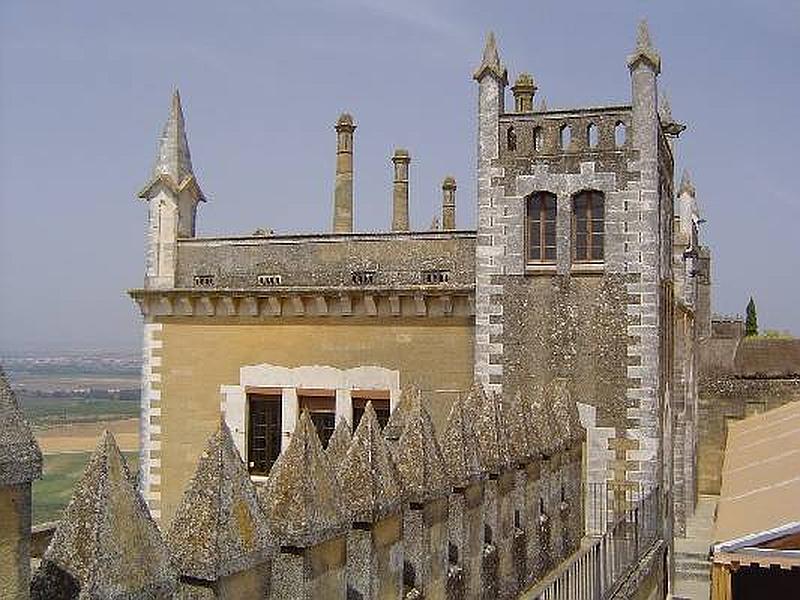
(620, 134)
(541, 228)
(565, 136)
(538, 139)
(592, 135)
(588, 226)
(511, 139)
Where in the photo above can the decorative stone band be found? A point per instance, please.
(289, 380)
(418, 301)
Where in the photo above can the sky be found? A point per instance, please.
(85, 90)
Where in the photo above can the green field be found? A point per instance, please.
(52, 492)
(50, 411)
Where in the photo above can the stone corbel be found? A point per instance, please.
(370, 306)
(346, 304)
(421, 305)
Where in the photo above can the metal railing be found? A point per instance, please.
(597, 570)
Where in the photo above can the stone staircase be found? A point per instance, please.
(692, 567)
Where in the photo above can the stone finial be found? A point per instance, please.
(370, 482)
(106, 544)
(302, 498)
(219, 527)
(20, 456)
(490, 63)
(524, 90)
(644, 50)
(491, 431)
(459, 447)
(345, 121)
(419, 458)
(686, 186)
(339, 443)
(523, 440)
(173, 162)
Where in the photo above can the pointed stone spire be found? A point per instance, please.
(106, 544)
(419, 458)
(686, 187)
(173, 162)
(219, 527)
(490, 64)
(664, 108)
(339, 443)
(397, 420)
(644, 50)
(523, 440)
(20, 456)
(491, 430)
(542, 107)
(459, 447)
(302, 498)
(370, 482)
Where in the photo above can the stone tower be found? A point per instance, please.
(401, 160)
(173, 194)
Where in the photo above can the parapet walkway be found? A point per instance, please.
(692, 568)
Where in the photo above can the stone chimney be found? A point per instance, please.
(401, 160)
(343, 188)
(449, 203)
(524, 89)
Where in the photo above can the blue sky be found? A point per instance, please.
(85, 89)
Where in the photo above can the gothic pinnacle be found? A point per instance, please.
(491, 62)
(644, 50)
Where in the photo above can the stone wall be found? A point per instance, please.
(381, 521)
(196, 358)
(740, 377)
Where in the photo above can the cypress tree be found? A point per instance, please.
(751, 323)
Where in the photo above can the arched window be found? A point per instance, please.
(565, 137)
(588, 216)
(620, 134)
(541, 227)
(592, 135)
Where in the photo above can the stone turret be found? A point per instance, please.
(106, 544)
(524, 90)
(466, 527)
(219, 538)
(492, 79)
(339, 443)
(308, 517)
(372, 492)
(20, 465)
(449, 203)
(343, 187)
(173, 194)
(401, 160)
(425, 487)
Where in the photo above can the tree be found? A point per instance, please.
(751, 323)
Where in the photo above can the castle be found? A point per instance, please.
(485, 398)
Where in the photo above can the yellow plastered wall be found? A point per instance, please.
(436, 355)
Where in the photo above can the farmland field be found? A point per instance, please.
(61, 471)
